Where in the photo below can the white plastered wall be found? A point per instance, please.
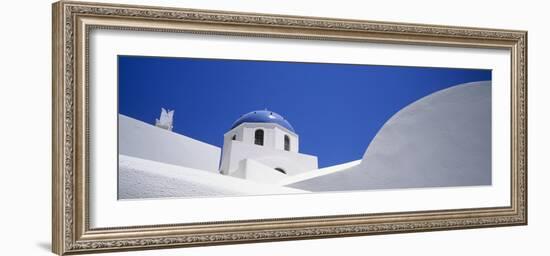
(146, 141)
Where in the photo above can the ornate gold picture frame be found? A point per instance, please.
(74, 21)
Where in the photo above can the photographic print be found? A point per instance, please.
(191, 127)
(177, 127)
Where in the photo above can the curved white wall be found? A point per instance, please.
(443, 139)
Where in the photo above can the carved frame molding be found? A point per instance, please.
(72, 22)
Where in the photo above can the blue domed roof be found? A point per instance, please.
(263, 116)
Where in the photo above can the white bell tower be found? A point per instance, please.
(262, 145)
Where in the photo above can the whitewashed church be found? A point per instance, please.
(260, 146)
(263, 146)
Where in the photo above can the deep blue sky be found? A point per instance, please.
(336, 109)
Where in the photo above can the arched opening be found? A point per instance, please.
(234, 137)
(279, 169)
(287, 143)
(259, 137)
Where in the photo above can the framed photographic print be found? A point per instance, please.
(179, 127)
